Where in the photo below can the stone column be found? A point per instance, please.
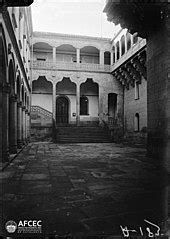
(13, 124)
(5, 123)
(78, 104)
(26, 125)
(29, 126)
(101, 57)
(125, 42)
(120, 49)
(131, 38)
(101, 102)
(115, 53)
(54, 101)
(54, 55)
(19, 122)
(23, 124)
(111, 58)
(78, 55)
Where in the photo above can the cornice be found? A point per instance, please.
(69, 36)
(11, 33)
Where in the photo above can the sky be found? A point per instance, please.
(78, 17)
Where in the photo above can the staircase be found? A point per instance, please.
(74, 134)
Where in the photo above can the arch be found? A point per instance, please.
(66, 47)
(84, 105)
(18, 88)
(62, 110)
(66, 86)
(89, 87)
(42, 85)
(123, 44)
(11, 77)
(137, 122)
(3, 95)
(42, 45)
(89, 54)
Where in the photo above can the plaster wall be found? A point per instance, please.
(132, 106)
(42, 100)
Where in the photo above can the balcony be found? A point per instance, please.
(70, 66)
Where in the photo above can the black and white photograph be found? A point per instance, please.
(84, 119)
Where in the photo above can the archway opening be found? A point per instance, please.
(118, 51)
(128, 38)
(3, 100)
(107, 56)
(42, 91)
(42, 52)
(89, 54)
(66, 53)
(123, 44)
(89, 100)
(12, 117)
(62, 110)
(112, 105)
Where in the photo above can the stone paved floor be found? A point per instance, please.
(82, 189)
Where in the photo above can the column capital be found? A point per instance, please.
(19, 104)
(6, 88)
(13, 98)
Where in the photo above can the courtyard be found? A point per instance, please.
(83, 190)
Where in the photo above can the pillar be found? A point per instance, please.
(26, 125)
(54, 101)
(19, 123)
(101, 57)
(5, 123)
(78, 104)
(13, 124)
(125, 42)
(29, 126)
(54, 55)
(111, 58)
(115, 53)
(78, 55)
(131, 38)
(23, 124)
(120, 49)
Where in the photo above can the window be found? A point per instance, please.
(136, 123)
(84, 105)
(136, 90)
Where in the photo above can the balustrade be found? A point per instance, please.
(70, 66)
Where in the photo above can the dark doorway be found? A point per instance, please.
(62, 109)
(112, 105)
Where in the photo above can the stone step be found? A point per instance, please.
(82, 135)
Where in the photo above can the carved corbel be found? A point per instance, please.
(139, 66)
(134, 72)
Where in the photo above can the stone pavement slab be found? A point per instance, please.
(82, 189)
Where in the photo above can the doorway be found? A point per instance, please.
(62, 110)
